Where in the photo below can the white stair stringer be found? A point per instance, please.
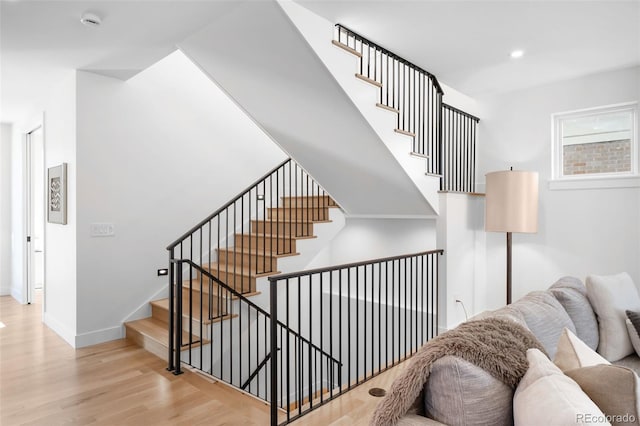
(319, 33)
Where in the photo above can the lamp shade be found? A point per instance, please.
(511, 202)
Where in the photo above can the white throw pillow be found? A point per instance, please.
(545, 396)
(610, 296)
(573, 353)
(633, 336)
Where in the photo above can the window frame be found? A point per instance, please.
(593, 180)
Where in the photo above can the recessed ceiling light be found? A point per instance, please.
(517, 54)
(90, 20)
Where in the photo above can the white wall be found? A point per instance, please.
(580, 231)
(365, 239)
(156, 155)
(60, 246)
(6, 135)
(462, 275)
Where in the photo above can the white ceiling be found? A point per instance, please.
(41, 41)
(466, 44)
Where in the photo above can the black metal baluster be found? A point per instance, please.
(321, 313)
(172, 304)
(178, 333)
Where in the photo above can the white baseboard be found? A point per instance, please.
(99, 336)
(60, 329)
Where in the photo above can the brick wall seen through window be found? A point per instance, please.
(600, 157)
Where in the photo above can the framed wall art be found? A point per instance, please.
(57, 198)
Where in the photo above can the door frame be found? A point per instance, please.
(28, 285)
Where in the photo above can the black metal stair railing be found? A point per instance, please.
(240, 341)
(410, 90)
(367, 316)
(459, 132)
(442, 133)
(215, 266)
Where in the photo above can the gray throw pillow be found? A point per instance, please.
(545, 317)
(461, 393)
(572, 295)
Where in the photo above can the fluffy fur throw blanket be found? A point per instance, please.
(496, 345)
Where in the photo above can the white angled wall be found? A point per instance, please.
(156, 155)
(581, 231)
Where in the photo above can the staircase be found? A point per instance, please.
(272, 337)
(254, 254)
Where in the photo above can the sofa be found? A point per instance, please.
(455, 390)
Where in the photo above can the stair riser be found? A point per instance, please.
(309, 203)
(158, 349)
(162, 314)
(282, 228)
(301, 215)
(278, 245)
(240, 283)
(257, 263)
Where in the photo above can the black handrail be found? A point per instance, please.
(441, 133)
(393, 55)
(221, 209)
(256, 371)
(281, 277)
(461, 112)
(410, 91)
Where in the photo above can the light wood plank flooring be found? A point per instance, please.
(43, 381)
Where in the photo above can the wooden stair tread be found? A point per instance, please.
(164, 304)
(257, 251)
(296, 220)
(388, 108)
(235, 269)
(215, 287)
(276, 236)
(368, 80)
(346, 48)
(158, 331)
(404, 132)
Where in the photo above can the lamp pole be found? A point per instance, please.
(509, 238)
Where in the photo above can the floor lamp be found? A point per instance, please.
(511, 205)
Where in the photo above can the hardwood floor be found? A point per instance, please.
(43, 381)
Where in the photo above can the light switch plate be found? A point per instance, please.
(102, 230)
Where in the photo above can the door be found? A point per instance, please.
(35, 212)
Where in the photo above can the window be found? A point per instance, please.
(596, 143)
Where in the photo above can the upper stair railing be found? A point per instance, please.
(459, 131)
(405, 88)
(444, 135)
